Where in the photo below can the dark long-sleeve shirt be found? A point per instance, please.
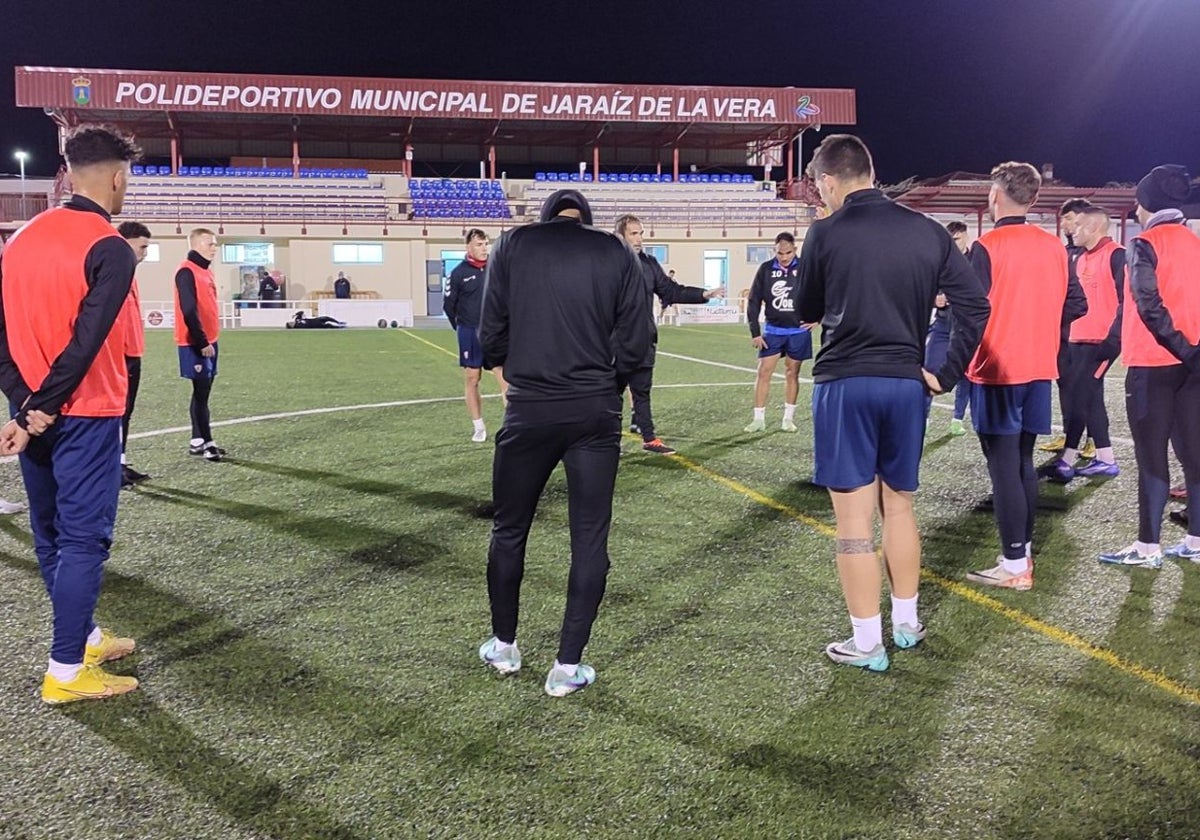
(185, 284)
(464, 295)
(773, 290)
(564, 311)
(669, 293)
(869, 273)
(108, 269)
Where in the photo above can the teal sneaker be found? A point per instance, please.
(505, 661)
(845, 653)
(906, 636)
(1183, 552)
(559, 683)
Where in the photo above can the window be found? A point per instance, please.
(248, 253)
(152, 253)
(716, 269)
(659, 252)
(368, 253)
(758, 254)
(451, 259)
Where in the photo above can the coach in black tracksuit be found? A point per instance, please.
(564, 312)
(629, 228)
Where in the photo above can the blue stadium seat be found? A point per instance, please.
(574, 176)
(726, 178)
(219, 170)
(623, 177)
(138, 169)
(587, 177)
(666, 179)
(206, 170)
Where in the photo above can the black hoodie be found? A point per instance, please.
(564, 308)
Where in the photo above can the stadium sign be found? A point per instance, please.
(135, 90)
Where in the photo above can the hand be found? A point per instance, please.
(208, 352)
(810, 326)
(13, 439)
(37, 422)
(759, 342)
(718, 292)
(931, 383)
(940, 301)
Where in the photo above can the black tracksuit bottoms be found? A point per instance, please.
(1163, 404)
(133, 367)
(1082, 395)
(585, 435)
(639, 386)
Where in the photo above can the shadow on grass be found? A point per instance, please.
(220, 661)
(430, 499)
(383, 547)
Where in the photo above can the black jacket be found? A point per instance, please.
(564, 311)
(869, 274)
(774, 289)
(669, 293)
(464, 295)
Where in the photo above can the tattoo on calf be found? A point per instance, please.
(866, 546)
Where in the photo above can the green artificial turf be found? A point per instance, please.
(308, 613)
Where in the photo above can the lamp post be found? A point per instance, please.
(21, 157)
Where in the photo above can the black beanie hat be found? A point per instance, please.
(563, 200)
(1163, 188)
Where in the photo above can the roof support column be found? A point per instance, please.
(491, 162)
(174, 154)
(675, 164)
(791, 163)
(596, 163)
(295, 156)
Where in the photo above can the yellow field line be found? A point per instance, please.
(437, 347)
(1029, 622)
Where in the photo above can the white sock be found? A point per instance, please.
(478, 424)
(1029, 550)
(1193, 543)
(64, 673)
(904, 611)
(122, 459)
(197, 441)
(1145, 549)
(569, 670)
(789, 411)
(760, 413)
(95, 637)
(1015, 567)
(1106, 455)
(868, 632)
(1069, 455)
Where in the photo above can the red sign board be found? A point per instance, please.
(140, 90)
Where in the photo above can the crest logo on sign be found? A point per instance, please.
(81, 90)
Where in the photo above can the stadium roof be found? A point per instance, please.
(230, 114)
(964, 194)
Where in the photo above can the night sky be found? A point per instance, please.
(1103, 89)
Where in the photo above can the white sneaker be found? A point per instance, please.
(479, 436)
(788, 425)
(11, 507)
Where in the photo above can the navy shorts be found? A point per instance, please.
(1011, 409)
(797, 346)
(470, 351)
(868, 426)
(194, 366)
